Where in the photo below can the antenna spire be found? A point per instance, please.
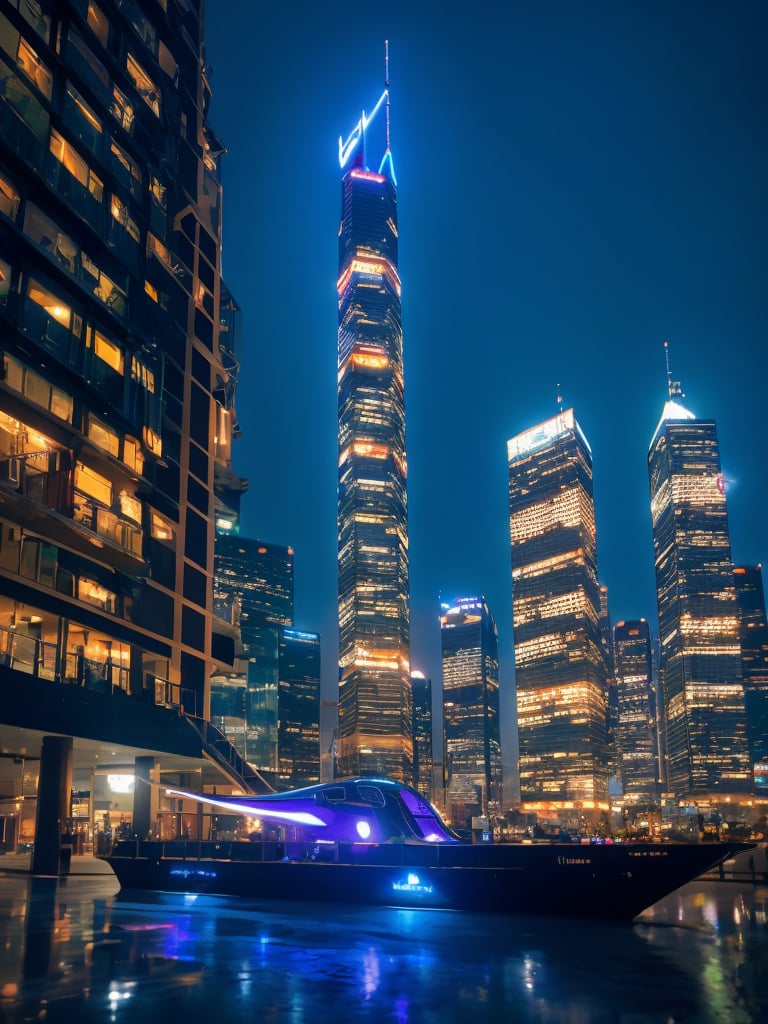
(386, 85)
(674, 387)
(559, 401)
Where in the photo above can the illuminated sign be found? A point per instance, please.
(541, 435)
(412, 884)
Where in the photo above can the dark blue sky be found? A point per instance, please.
(577, 183)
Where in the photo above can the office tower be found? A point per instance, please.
(700, 658)
(636, 714)
(560, 672)
(374, 659)
(470, 654)
(753, 633)
(422, 733)
(110, 306)
(611, 696)
(253, 585)
(298, 732)
(253, 591)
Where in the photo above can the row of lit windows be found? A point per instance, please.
(569, 508)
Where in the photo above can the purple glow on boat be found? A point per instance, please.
(277, 812)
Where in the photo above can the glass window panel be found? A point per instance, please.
(145, 87)
(32, 12)
(83, 109)
(34, 69)
(103, 436)
(68, 156)
(5, 280)
(61, 404)
(107, 350)
(27, 106)
(120, 213)
(122, 109)
(166, 61)
(98, 23)
(93, 484)
(9, 197)
(51, 303)
(132, 455)
(161, 528)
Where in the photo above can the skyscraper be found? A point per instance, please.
(422, 733)
(560, 669)
(636, 713)
(753, 633)
(700, 658)
(253, 591)
(470, 650)
(374, 646)
(298, 732)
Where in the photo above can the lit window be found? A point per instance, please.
(145, 87)
(122, 109)
(98, 23)
(152, 441)
(103, 436)
(93, 593)
(142, 374)
(132, 455)
(106, 350)
(52, 304)
(120, 214)
(161, 528)
(9, 198)
(74, 163)
(151, 291)
(92, 483)
(34, 68)
(83, 109)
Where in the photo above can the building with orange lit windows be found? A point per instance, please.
(375, 711)
(560, 669)
(116, 408)
(472, 754)
(700, 654)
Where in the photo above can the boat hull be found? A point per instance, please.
(609, 881)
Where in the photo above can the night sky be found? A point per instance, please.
(577, 183)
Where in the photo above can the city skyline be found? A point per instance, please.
(592, 194)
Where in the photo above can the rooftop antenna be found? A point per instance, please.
(674, 387)
(386, 84)
(559, 401)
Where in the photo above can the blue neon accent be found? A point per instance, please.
(387, 160)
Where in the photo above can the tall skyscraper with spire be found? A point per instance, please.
(700, 656)
(560, 668)
(375, 709)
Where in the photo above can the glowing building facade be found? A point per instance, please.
(636, 722)
(753, 633)
(700, 655)
(374, 662)
(560, 667)
(470, 655)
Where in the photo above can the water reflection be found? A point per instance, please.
(73, 951)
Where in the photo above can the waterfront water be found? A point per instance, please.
(77, 950)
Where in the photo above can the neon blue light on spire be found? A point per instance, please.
(348, 147)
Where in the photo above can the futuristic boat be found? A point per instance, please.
(376, 841)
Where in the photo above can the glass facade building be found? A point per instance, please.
(470, 658)
(636, 722)
(700, 655)
(422, 733)
(253, 592)
(753, 634)
(560, 667)
(375, 727)
(298, 731)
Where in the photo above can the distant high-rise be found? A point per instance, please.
(253, 591)
(753, 633)
(700, 657)
(375, 727)
(298, 732)
(636, 713)
(560, 668)
(470, 648)
(422, 733)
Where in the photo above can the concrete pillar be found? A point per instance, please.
(142, 796)
(54, 790)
